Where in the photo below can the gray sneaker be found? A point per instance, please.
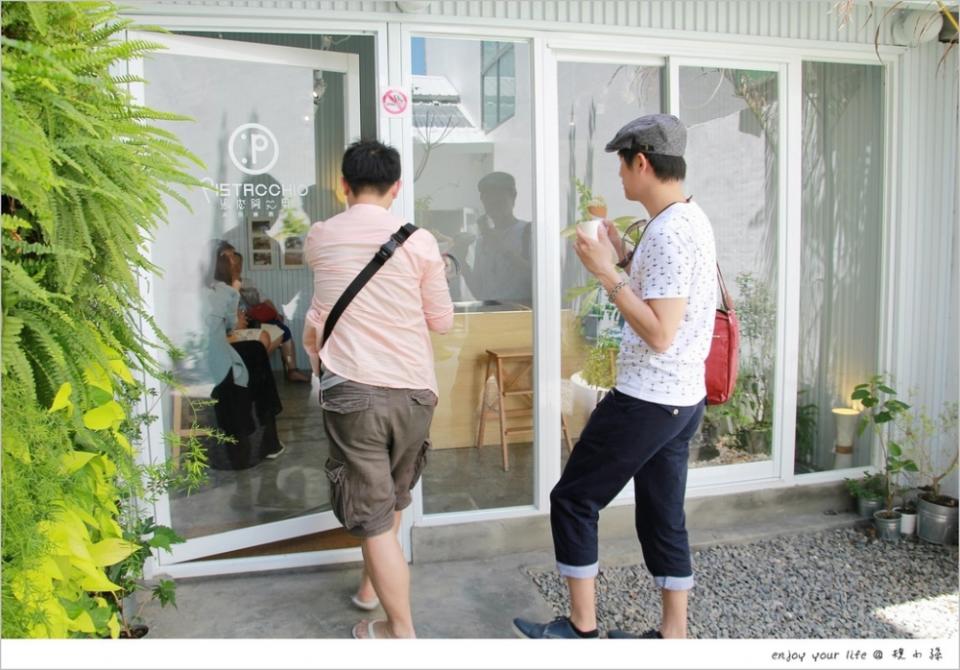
(560, 628)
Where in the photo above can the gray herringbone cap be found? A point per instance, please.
(652, 134)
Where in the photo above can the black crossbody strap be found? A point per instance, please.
(382, 256)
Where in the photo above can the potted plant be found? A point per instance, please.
(936, 512)
(908, 516)
(599, 321)
(757, 316)
(868, 492)
(881, 408)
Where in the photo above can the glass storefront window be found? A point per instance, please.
(595, 100)
(733, 118)
(270, 135)
(473, 188)
(840, 280)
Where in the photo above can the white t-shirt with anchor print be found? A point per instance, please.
(676, 258)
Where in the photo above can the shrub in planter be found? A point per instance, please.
(867, 492)
(881, 408)
(936, 513)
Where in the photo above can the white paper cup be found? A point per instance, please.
(590, 228)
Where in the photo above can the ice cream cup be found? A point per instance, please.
(590, 228)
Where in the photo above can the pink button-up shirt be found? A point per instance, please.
(382, 337)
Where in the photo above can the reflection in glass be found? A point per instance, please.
(840, 268)
(732, 118)
(272, 169)
(595, 100)
(473, 186)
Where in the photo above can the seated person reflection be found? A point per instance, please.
(256, 308)
(501, 267)
(245, 391)
(269, 336)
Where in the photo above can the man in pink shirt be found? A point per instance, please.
(378, 388)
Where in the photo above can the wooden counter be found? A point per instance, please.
(460, 357)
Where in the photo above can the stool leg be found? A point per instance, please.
(503, 416)
(566, 435)
(177, 427)
(483, 403)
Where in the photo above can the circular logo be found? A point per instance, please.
(258, 146)
(394, 101)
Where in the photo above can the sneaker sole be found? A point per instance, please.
(519, 633)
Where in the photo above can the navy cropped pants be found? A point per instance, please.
(626, 439)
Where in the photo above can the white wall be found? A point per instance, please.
(924, 346)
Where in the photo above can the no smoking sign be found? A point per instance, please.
(395, 101)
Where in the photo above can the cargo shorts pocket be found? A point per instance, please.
(423, 397)
(420, 463)
(407, 478)
(344, 400)
(337, 474)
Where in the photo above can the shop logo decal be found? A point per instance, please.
(257, 147)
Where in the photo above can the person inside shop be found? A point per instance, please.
(501, 263)
(268, 319)
(245, 390)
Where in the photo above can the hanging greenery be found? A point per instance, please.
(84, 180)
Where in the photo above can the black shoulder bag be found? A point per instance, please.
(382, 256)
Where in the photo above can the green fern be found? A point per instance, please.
(85, 179)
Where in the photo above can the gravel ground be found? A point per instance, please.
(831, 584)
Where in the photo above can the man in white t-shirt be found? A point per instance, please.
(641, 430)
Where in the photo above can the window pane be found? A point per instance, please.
(840, 263)
(507, 61)
(508, 86)
(474, 192)
(732, 117)
(595, 100)
(490, 116)
(488, 53)
(418, 56)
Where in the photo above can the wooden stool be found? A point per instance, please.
(516, 385)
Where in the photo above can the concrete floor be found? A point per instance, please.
(466, 599)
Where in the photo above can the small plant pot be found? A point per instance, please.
(136, 631)
(937, 523)
(867, 506)
(908, 522)
(887, 525)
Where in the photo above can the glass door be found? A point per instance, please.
(269, 124)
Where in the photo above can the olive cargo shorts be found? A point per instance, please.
(378, 447)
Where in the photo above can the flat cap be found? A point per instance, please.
(654, 133)
(497, 181)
